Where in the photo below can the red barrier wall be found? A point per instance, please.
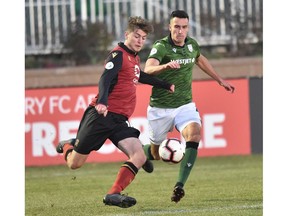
(54, 114)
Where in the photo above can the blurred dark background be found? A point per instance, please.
(71, 33)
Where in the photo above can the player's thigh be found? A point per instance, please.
(122, 131)
(186, 115)
(93, 131)
(131, 147)
(160, 122)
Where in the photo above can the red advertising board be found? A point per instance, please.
(54, 114)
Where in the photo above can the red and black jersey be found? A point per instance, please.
(117, 85)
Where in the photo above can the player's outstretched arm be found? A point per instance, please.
(203, 63)
(156, 82)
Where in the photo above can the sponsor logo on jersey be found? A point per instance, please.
(136, 73)
(185, 61)
(174, 50)
(109, 65)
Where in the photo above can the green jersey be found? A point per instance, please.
(165, 51)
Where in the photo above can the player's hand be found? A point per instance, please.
(172, 88)
(172, 65)
(227, 86)
(101, 109)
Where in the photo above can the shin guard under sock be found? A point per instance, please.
(187, 163)
(125, 176)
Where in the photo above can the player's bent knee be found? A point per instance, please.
(138, 160)
(141, 158)
(74, 165)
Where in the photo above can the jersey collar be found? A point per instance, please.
(122, 45)
(172, 43)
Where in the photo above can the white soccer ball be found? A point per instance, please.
(171, 150)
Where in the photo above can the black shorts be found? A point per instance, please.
(95, 129)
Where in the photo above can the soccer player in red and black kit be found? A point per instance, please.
(107, 115)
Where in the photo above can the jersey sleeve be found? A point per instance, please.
(197, 48)
(158, 51)
(154, 81)
(109, 77)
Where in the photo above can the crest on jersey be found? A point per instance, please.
(153, 51)
(76, 142)
(174, 50)
(190, 47)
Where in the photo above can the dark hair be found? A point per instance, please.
(138, 22)
(179, 14)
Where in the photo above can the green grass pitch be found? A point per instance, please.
(230, 185)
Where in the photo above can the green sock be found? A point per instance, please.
(186, 165)
(147, 151)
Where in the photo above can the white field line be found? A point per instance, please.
(179, 211)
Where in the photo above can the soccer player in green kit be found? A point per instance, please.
(172, 59)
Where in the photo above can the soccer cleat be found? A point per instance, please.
(148, 166)
(178, 194)
(59, 147)
(119, 200)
